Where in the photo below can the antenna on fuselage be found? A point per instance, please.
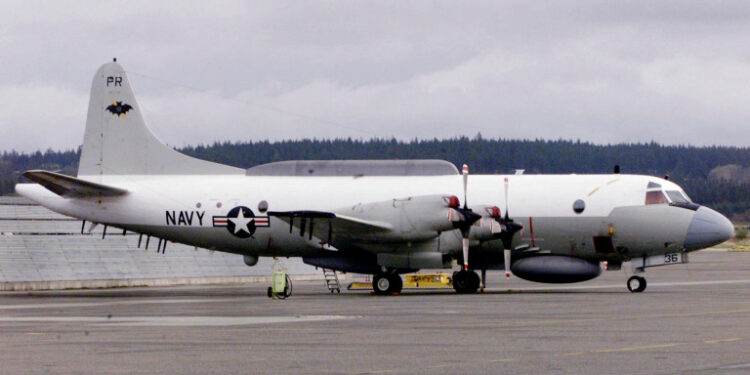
(617, 169)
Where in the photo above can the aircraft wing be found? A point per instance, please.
(393, 221)
(71, 187)
(328, 226)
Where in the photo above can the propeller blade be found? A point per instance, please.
(506, 198)
(506, 262)
(465, 172)
(465, 243)
(468, 218)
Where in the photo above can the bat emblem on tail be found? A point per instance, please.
(119, 108)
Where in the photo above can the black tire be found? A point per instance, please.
(636, 284)
(385, 284)
(466, 282)
(270, 292)
(396, 283)
(288, 288)
(381, 284)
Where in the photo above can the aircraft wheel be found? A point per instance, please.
(396, 282)
(382, 284)
(288, 288)
(636, 284)
(465, 282)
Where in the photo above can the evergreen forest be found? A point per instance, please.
(694, 168)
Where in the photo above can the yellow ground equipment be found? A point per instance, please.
(428, 280)
(281, 284)
(415, 280)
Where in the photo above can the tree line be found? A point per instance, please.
(688, 166)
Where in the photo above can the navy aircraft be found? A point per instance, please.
(382, 217)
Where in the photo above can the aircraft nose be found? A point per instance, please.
(707, 228)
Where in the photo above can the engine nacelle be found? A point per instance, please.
(486, 229)
(411, 219)
(555, 269)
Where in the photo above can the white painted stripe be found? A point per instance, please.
(618, 286)
(175, 321)
(741, 365)
(155, 301)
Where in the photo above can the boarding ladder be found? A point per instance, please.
(332, 280)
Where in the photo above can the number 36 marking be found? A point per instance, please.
(672, 258)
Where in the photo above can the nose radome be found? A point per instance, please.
(708, 228)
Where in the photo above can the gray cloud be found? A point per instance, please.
(674, 72)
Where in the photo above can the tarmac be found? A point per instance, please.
(692, 319)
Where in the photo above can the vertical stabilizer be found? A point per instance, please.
(118, 142)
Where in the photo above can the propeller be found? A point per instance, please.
(507, 235)
(468, 217)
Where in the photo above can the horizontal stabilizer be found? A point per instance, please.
(71, 187)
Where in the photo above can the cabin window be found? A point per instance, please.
(677, 196)
(656, 197)
(578, 206)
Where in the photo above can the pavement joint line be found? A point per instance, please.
(723, 340)
(113, 303)
(598, 351)
(502, 360)
(618, 286)
(586, 320)
(377, 372)
(731, 367)
(626, 349)
(175, 321)
(646, 347)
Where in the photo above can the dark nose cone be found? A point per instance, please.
(708, 228)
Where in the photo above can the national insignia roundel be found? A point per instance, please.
(241, 221)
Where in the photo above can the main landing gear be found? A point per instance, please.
(465, 282)
(387, 283)
(636, 284)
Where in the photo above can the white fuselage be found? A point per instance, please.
(180, 208)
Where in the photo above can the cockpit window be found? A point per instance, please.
(656, 197)
(677, 196)
(652, 185)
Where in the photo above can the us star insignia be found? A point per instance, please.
(241, 221)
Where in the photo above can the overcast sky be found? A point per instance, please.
(672, 72)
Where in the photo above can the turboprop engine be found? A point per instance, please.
(490, 226)
(555, 269)
(409, 219)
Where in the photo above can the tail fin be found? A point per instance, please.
(117, 140)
